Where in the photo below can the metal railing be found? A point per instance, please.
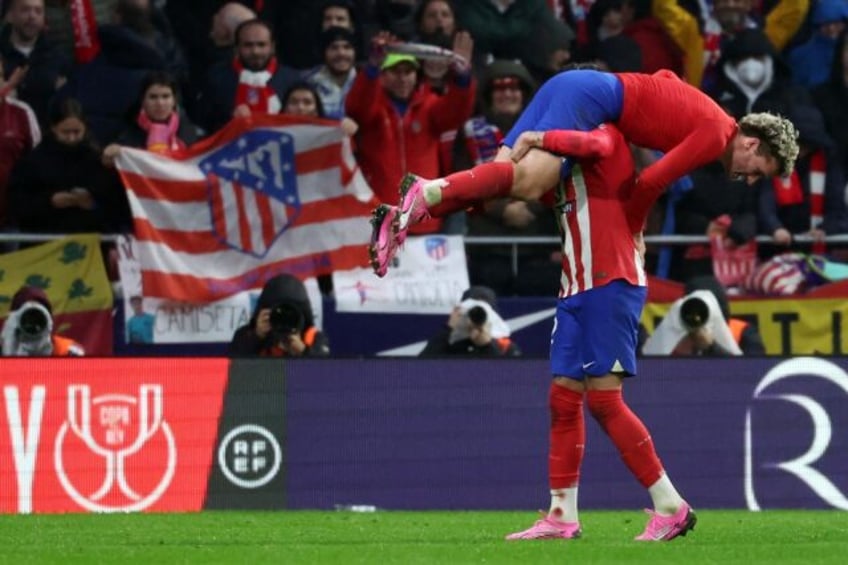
(513, 242)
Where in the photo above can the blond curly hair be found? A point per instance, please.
(777, 135)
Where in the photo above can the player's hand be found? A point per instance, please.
(782, 236)
(639, 241)
(463, 46)
(263, 323)
(526, 141)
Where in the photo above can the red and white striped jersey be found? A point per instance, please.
(597, 244)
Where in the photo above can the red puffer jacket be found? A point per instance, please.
(390, 144)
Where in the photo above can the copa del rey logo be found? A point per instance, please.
(115, 440)
(112, 452)
(115, 429)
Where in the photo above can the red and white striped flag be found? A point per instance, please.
(265, 195)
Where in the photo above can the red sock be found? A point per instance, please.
(568, 437)
(466, 188)
(628, 433)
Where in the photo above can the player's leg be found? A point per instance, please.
(613, 357)
(567, 436)
(573, 100)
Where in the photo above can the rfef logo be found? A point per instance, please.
(249, 456)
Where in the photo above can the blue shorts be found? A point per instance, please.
(596, 332)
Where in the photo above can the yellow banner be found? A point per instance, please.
(795, 326)
(70, 270)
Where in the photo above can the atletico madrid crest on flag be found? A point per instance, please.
(263, 196)
(252, 183)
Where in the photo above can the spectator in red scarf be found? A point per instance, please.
(253, 82)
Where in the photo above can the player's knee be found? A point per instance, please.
(603, 404)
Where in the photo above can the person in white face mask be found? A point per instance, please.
(754, 72)
(754, 78)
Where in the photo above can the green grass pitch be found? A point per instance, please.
(386, 537)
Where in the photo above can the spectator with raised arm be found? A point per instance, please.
(702, 37)
(24, 43)
(400, 121)
(20, 134)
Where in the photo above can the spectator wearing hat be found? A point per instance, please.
(29, 328)
(811, 61)
(334, 78)
(811, 200)
(474, 328)
(401, 121)
(341, 13)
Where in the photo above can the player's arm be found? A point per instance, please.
(595, 144)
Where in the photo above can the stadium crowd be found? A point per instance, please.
(82, 79)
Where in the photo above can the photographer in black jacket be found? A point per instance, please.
(282, 325)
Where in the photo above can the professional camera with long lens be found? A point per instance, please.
(286, 319)
(694, 313)
(32, 324)
(477, 315)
